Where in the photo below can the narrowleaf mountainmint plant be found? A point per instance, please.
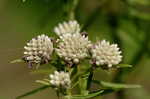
(72, 47)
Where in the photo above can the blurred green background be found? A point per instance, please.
(126, 22)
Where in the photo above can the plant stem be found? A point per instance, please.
(68, 93)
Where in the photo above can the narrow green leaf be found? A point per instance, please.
(118, 86)
(75, 84)
(107, 91)
(17, 61)
(115, 85)
(33, 92)
(123, 65)
(42, 71)
(91, 95)
(43, 82)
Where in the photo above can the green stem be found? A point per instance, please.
(90, 78)
(83, 86)
(68, 94)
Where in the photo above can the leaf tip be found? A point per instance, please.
(16, 61)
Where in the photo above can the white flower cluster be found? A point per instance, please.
(69, 27)
(60, 79)
(73, 47)
(105, 53)
(38, 50)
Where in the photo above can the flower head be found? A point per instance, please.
(38, 50)
(60, 79)
(104, 53)
(70, 27)
(73, 47)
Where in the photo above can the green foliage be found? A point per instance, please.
(115, 86)
(17, 61)
(44, 82)
(124, 66)
(91, 95)
(33, 92)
